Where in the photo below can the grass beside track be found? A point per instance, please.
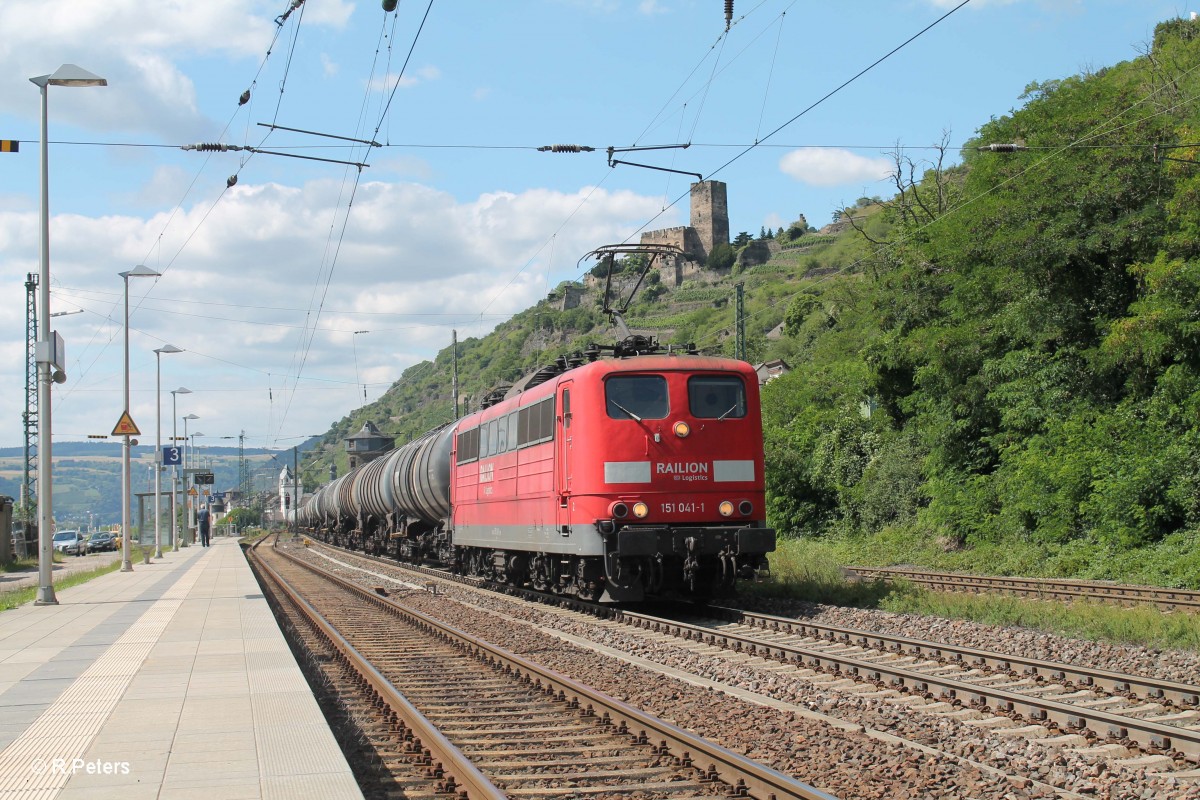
(252, 535)
(812, 570)
(19, 597)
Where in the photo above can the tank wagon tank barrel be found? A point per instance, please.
(412, 481)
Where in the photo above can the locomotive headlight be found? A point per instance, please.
(618, 510)
(640, 510)
(726, 508)
(746, 507)
(682, 429)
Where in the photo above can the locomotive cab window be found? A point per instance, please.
(636, 397)
(716, 397)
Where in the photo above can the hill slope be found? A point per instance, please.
(999, 366)
(699, 311)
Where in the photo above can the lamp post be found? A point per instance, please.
(174, 468)
(185, 470)
(140, 271)
(66, 75)
(158, 451)
(193, 535)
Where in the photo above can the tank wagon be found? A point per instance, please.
(609, 478)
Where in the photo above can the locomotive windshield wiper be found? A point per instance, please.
(732, 409)
(626, 410)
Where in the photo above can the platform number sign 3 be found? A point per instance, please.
(170, 456)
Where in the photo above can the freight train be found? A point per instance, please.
(610, 477)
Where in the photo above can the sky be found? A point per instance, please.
(303, 276)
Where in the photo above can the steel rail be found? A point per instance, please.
(1144, 732)
(460, 774)
(748, 778)
(1140, 686)
(1149, 688)
(1170, 599)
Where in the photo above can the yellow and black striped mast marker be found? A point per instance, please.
(9, 145)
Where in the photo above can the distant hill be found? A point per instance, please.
(87, 476)
(700, 310)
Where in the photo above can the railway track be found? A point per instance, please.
(486, 723)
(1147, 722)
(1039, 588)
(1129, 720)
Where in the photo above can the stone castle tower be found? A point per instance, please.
(709, 228)
(710, 223)
(710, 214)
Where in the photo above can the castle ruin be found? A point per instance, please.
(710, 227)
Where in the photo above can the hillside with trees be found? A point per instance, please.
(997, 368)
(1025, 341)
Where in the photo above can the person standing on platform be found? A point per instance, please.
(202, 523)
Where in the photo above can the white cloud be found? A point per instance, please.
(832, 167)
(137, 47)
(246, 281)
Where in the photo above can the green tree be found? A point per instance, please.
(721, 258)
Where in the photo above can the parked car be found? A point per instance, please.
(100, 541)
(70, 543)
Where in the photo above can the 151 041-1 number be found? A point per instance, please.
(682, 508)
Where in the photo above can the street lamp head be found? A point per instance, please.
(69, 75)
(168, 348)
(140, 271)
(192, 416)
(181, 390)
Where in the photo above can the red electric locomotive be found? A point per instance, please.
(605, 478)
(615, 480)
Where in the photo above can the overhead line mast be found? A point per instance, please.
(30, 416)
(243, 470)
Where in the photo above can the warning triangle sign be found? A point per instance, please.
(126, 426)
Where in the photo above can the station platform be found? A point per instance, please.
(170, 681)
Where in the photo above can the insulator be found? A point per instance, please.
(231, 181)
(210, 147)
(566, 148)
(245, 98)
(1003, 148)
(728, 13)
(389, 6)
